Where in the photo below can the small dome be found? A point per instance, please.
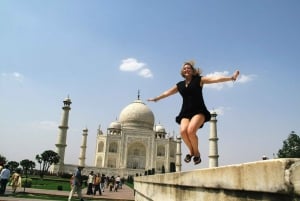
(137, 114)
(115, 125)
(160, 129)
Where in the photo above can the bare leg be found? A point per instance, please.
(71, 193)
(193, 126)
(184, 124)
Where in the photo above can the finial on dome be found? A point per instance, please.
(138, 95)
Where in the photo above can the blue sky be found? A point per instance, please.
(100, 53)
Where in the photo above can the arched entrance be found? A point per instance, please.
(136, 156)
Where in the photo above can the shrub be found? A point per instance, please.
(60, 187)
(26, 182)
(130, 179)
(66, 175)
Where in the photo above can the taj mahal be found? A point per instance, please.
(131, 145)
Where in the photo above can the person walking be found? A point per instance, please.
(16, 180)
(90, 182)
(71, 180)
(102, 182)
(118, 183)
(77, 184)
(193, 113)
(4, 177)
(97, 181)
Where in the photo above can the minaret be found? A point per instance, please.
(178, 154)
(83, 148)
(213, 142)
(62, 136)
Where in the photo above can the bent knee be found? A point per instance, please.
(192, 130)
(183, 130)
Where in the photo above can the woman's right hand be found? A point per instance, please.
(235, 75)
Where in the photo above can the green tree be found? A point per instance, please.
(27, 165)
(39, 160)
(47, 158)
(291, 147)
(2, 160)
(13, 165)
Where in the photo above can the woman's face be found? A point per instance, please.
(187, 70)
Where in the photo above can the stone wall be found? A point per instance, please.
(267, 180)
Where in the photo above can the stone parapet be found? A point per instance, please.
(267, 180)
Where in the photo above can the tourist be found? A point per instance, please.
(97, 181)
(90, 182)
(16, 180)
(118, 183)
(4, 177)
(107, 181)
(71, 180)
(77, 184)
(111, 183)
(193, 112)
(102, 182)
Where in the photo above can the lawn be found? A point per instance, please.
(53, 183)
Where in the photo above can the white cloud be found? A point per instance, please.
(17, 76)
(145, 73)
(245, 78)
(219, 86)
(13, 76)
(133, 65)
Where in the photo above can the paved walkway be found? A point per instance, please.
(124, 194)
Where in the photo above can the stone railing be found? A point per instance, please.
(266, 180)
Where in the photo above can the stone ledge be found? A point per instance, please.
(278, 176)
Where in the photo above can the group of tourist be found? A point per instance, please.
(13, 180)
(95, 183)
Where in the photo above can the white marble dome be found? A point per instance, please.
(137, 114)
(160, 129)
(115, 125)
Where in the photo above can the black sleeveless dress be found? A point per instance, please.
(192, 100)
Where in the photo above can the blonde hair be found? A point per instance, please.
(196, 71)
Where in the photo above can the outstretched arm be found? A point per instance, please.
(216, 79)
(165, 94)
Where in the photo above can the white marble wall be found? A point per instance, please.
(268, 180)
